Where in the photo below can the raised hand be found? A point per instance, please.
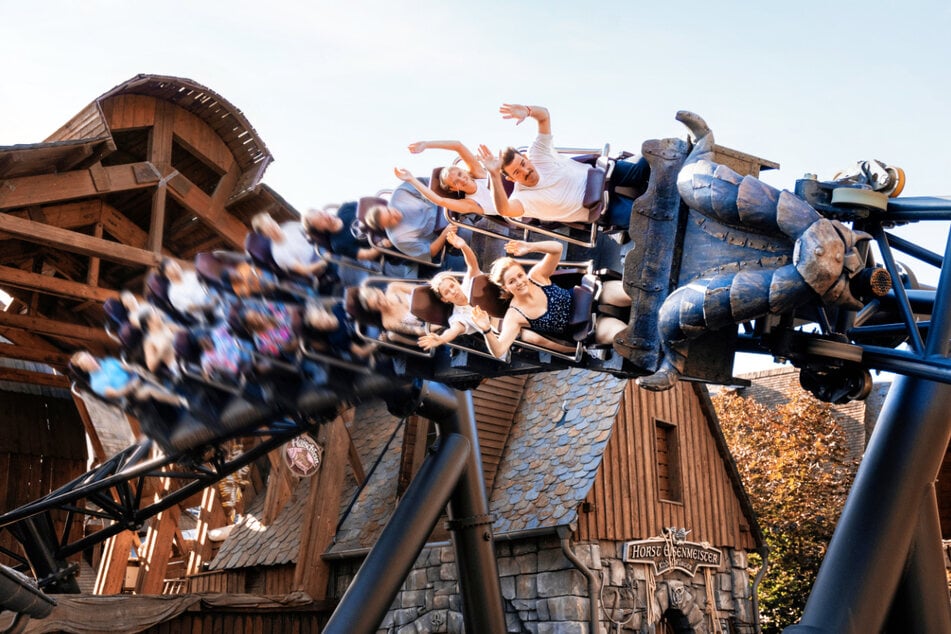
(455, 239)
(518, 248)
(481, 318)
(429, 341)
(489, 161)
(417, 147)
(515, 111)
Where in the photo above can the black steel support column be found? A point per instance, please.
(372, 591)
(920, 604)
(873, 541)
(471, 526)
(38, 539)
(453, 476)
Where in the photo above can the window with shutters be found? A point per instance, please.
(667, 455)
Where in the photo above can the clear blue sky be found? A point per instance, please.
(338, 89)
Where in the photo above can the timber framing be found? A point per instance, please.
(156, 167)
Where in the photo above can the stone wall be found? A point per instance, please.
(544, 593)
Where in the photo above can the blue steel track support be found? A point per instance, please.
(877, 564)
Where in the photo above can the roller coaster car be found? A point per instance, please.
(237, 275)
(599, 192)
(323, 245)
(486, 295)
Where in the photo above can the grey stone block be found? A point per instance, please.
(552, 559)
(526, 586)
(568, 608)
(447, 572)
(563, 628)
(561, 583)
(416, 579)
(508, 566)
(508, 587)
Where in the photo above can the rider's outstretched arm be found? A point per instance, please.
(521, 112)
(467, 156)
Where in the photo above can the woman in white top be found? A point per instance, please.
(472, 183)
(462, 320)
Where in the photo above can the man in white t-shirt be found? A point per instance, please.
(548, 185)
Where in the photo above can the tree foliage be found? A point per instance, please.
(795, 465)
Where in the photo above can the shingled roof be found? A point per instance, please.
(251, 543)
(555, 449)
(552, 455)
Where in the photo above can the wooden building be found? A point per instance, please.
(156, 167)
(574, 460)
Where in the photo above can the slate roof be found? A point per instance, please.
(375, 502)
(251, 543)
(549, 464)
(555, 449)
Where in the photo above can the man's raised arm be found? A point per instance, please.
(521, 112)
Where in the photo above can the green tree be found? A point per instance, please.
(795, 465)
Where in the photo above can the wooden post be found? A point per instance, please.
(280, 486)
(158, 546)
(210, 515)
(115, 560)
(321, 512)
(92, 276)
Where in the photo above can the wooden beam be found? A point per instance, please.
(30, 353)
(33, 378)
(352, 454)
(115, 560)
(25, 338)
(160, 155)
(47, 235)
(280, 486)
(158, 548)
(65, 215)
(312, 573)
(55, 328)
(92, 273)
(53, 285)
(211, 211)
(49, 188)
(210, 515)
(68, 265)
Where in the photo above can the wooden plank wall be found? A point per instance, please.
(495, 402)
(42, 447)
(625, 501)
(260, 580)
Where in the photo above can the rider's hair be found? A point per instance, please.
(508, 155)
(438, 279)
(372, 218)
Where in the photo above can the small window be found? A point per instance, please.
(667, 454)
